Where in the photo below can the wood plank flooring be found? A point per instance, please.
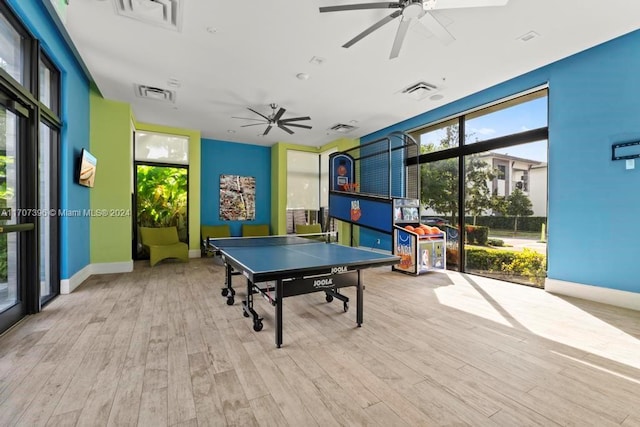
(160, 347)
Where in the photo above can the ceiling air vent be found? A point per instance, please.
(155, 93)
(420, 90)
(163, 13)
(341, 128)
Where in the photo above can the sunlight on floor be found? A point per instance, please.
(571, 322)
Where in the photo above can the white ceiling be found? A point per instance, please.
(259, 46)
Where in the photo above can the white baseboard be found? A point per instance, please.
(194, 253)
(594, 293)
(69, 285)
(112, 267)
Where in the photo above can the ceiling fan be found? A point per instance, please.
(409, 10)
(275, 119)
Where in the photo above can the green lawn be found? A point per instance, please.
(509, 233)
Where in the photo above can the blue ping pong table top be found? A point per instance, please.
(286, 255)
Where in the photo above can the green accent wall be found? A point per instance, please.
(110, 142)
(279, 182)
(194, 175)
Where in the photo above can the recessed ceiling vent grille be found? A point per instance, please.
(420, 90)
(155, 93)
(342, 128)
(163, 13)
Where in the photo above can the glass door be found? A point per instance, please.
(161, 200)
(14, 232)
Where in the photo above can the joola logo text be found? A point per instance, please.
(323, 283)
(336, 270)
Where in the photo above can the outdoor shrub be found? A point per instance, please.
(530, 223)
(530, 264)
(477, 234)
(495, 242)
(452, 257)
(527, 263)
(488, 259)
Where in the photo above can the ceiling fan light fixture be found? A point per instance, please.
(429, 4)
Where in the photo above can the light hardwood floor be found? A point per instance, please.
(159, 346)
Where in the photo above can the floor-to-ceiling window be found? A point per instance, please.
(307, 189)
(161, 185)
(29, 129)
(484, 181)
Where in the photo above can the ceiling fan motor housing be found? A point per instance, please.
(413, 9)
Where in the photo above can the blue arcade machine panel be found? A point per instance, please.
(342, 171)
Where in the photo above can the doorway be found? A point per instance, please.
(161, 200)
(18, 244)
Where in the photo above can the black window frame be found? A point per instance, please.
(462, 150)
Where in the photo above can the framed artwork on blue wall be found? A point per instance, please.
(237, 198)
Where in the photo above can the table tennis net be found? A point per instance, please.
(299, 239)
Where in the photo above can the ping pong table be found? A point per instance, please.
(277, 267)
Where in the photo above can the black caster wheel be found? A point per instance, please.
(230, 300)
(233, 291)
(245, 314)
(345, 307)
(329, 298)
(257, 326)
(225, 292)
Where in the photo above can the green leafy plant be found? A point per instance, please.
(511, 265)
(162, 198)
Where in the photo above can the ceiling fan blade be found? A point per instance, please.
(295, 119)
(261, 115)
(266, 131)
(289, 131)
(436, 28)
(372, 28)
(253, 124)
(246, 118)
(383, 5)
(297, 125)
(279, 114)
(455, 4)
(400, 35)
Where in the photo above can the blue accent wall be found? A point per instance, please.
(229, 158)
(594, 102)
(74, 232)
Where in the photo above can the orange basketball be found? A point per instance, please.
(420, 231)
(409, 228)
(424, 226)
(435, 230)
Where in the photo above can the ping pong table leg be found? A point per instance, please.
(278, 302)
(228, 290)
(247, 307)
(359, 300)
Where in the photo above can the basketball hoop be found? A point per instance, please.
(350, 187)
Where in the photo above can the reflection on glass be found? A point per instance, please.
(45, 84)
(438, 137)
(162, 148)
(9, 292)
(439, 197)
(506, 214)
(44, 202)
(10, 50)
(507, 118)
